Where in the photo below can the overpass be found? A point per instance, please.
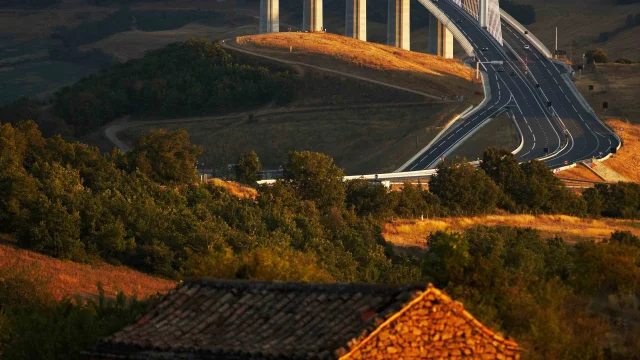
(442, 29)
(519, 77)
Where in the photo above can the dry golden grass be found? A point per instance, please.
(236, 189)
(413, 233)
(627, 161)
(133, 44)
(413, 70)
(617, 84)
(579, 173)
(582, 21)
(70, 279)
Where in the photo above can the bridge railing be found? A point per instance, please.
(534, 40)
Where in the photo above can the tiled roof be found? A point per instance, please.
(212, 319)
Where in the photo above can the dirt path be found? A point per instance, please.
(229, 45)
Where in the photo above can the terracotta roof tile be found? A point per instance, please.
(216, 319)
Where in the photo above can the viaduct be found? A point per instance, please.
(441, 31)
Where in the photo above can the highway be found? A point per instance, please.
(563, 132)
(590, 138)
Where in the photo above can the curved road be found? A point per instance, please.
(560, 134)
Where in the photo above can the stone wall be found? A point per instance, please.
(433, 327)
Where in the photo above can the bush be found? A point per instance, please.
(247, 168)
(463, 190)
(598, 55)
(624, 60)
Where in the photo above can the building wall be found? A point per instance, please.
(434, 327)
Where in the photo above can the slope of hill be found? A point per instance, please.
(582, 22)
(68, 279)
(417, 71)
(413, 233)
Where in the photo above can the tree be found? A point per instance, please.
(630, 21)
(598, 55)
(503, 168)
(165, 157)
(368, 198)
(315, 177)
(463, 189)
(247, 168)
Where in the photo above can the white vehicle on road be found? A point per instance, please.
(526, 47)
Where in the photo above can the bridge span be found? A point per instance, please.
(519, 77)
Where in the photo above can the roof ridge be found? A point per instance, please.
(301, 286)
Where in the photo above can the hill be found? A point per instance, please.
(417, 71)
(587, 20)
(70, 279)
(362, 107)
(413, 233)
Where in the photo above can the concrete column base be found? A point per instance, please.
(440, 39)
(312, 15)
(398, 24)
(356, 19)
(269, 16)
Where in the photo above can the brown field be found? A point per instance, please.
(413, 233)
(617, 84)
(417, 71)
(68, 279)
(580, 172)
(627, 161)
(361, 139)
(581, 21)
(499, 132)
(133, 44)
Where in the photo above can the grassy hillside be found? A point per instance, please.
(582, 22)
(68, 279)
(499, 132)
(363, 139)
(417, 71)
(617, 84)
(413, 233)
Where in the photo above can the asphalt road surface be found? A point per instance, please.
(564, 131)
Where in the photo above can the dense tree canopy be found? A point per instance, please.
(161, 85)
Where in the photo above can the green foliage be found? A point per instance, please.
(537, 291)
(621, 200)
(161, 85)
(315, 177)
(247, 168)
(598, 55)
(463, 189)
(35, 326)
(165, 157)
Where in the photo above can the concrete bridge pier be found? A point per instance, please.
(483, 10)
(312, 15)
(440, 39)
(356, 20)
(398, 24)
(269, 16)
